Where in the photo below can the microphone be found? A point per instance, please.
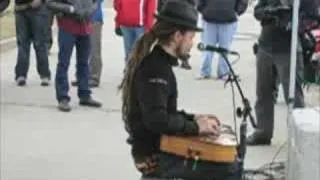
(220, 50)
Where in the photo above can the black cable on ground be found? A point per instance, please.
(270, 171)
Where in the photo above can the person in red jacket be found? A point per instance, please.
(133, 18)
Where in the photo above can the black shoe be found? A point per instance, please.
(185, 65)
(93, 84)
(45, 81)
(275, 97)
(74, 83)
(90, 103)
(21, 81)
(64, 106)
(257, 139)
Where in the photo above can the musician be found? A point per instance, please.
(185, 62)
(149, 87)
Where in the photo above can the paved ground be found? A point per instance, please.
(38, 142)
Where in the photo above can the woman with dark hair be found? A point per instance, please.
(149, 87)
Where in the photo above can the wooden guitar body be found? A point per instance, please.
(210, 148)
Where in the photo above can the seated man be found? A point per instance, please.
(185, 63)
(150, 88)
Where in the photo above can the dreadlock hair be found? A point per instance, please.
(161, 33)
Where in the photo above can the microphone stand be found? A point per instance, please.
(245, 113)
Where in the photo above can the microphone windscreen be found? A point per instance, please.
(201, 47)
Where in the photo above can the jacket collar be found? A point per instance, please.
(172, 60)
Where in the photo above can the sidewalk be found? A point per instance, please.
(39, 142)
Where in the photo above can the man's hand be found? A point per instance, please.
(71, 9)
(208, 124)
(35, 3)
(208, 116)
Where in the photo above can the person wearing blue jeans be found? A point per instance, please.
(220, 19)
(75, 28)
(130, 36)
(31, 18)
(66, 43)
(133, 18)
(217, 35)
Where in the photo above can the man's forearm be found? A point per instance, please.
(25, 6)
(60, 7)
(188, 116)
(22, 7)
(158, 121)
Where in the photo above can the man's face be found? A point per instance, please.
(184, 43)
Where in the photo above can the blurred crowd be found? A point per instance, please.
(80, 24)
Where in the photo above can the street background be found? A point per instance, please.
(38, 142)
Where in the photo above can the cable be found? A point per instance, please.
(278, 152)
(234, 111)
(269, 171)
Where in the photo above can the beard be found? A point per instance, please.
(183, 56)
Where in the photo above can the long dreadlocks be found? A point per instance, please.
(161, 34)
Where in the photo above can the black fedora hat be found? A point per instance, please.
(179, 12)
(3, 5)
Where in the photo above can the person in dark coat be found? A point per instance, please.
(220, 21)
(273, 62)
(149, 87)
(184, 64)
(74, 19)
(31, 18)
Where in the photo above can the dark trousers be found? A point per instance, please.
(267, 65)
(95, 58)
(276, 82)
(83, 47)
(31, 27)
(50, 35)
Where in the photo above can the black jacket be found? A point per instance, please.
(275, 38)
(161, 3)
(221, 11)
(22, 5)
(22, 1)
(154, 105)
(83, 9)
